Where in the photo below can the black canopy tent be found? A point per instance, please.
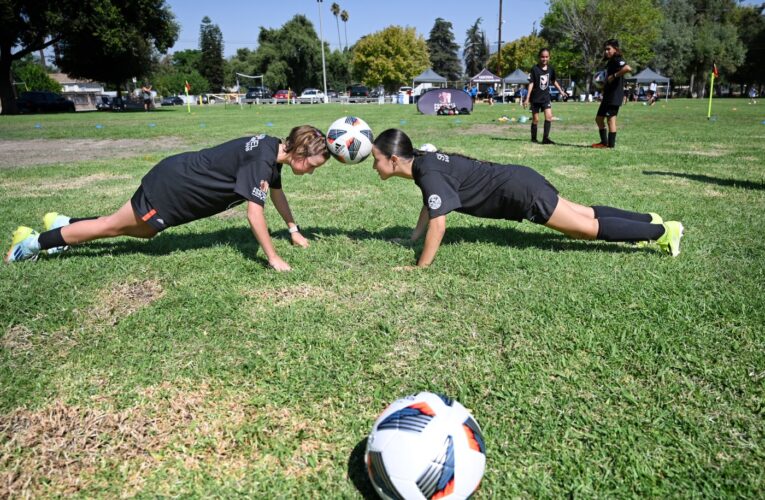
(428, 76)
(647, 76)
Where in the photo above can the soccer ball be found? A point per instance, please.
(349, 139)
(599, 80)
(428, 147)
(425, 446)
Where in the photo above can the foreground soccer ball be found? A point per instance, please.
(428, 147)
(349, 139)
(599, 80)
(425, 446)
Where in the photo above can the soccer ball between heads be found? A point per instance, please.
(425, 446)
(349, 139)
(428, 147)
(599, 80)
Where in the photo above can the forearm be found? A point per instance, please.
(436, 230)
(260, 229)
(422, 224)
(279, 200)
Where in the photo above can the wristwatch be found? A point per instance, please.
(294, 229)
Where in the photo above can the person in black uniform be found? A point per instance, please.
(451, 182)
(613, 93)
(190, 186)
(542, 76)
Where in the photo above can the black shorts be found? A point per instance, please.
(533, 197)
(608, 110)
(146, 211)
(537, 107)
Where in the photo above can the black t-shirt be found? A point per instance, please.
(190, 186)
(542, 79)
(455, 183)
(613, 93)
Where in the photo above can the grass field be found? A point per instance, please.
(182, 366)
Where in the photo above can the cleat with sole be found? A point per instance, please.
(24, 245)
(669, 242)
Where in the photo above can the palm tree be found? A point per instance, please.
(336, 12)
(344, 17)
(476, 52)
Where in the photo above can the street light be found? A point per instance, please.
(323, 64)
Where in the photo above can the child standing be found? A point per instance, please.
(613, 94)
(542, 76)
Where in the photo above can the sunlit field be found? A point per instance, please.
(182, 366)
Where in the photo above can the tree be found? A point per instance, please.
(336, 12)
(110, 43)
(476, 49)
(338, 70)
(520, 53)
(211, 61)
(443, 50)
(344, 17)
(391, 57)
(34, 77)
(587, 24)
(289, 56)
(750, 23)
(673, 49)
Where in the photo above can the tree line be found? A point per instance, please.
(121, 40)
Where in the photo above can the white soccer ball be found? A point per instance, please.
(428, 147)
(349, 139)
(599, 79)
(425, 446)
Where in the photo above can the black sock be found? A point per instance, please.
(611, 139)
(72, 220)
(547, 129)
(616, 229)
(533, 131)
(601, 212)
(51, 239)
(603, 137)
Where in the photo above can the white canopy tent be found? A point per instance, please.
(648, 76)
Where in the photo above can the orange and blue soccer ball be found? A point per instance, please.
(349, 139)
(425, 446)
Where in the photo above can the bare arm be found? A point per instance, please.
(436, 230)
(422, 224)
(528, 95)
(259, 227)
(623, 71)
(283, 207)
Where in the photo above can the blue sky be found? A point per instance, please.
(241, 24)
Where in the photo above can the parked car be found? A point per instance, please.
(172, 101)
(284, 94)
(312, 96)
(43, 102)
(257, 93)
(332, 94)
(108, 103)
(358, 91)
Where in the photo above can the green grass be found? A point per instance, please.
(182, 366)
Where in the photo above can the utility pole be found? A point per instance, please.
(323, 64)
(499, 43)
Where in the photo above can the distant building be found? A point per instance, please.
(84, 93)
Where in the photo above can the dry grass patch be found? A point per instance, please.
(571, 171)
(119, 301)
(282, 297)
(23, 153)
(63, 449)
(45, 188)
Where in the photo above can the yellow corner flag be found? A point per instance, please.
(715, 74)
(187, 87)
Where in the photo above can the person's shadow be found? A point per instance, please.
(240, 238)
(562, 144)
(357, 471)
(758, 186)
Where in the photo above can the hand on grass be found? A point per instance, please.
(299, 240)
(278, 264)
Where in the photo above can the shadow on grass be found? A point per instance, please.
(562, 144)
(241, 239)
(357, 471)
(759, 186)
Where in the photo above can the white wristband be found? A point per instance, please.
(294, 229)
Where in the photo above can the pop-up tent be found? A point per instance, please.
(485, 76)
(647, 76)
(517, 77)
(428, 76)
